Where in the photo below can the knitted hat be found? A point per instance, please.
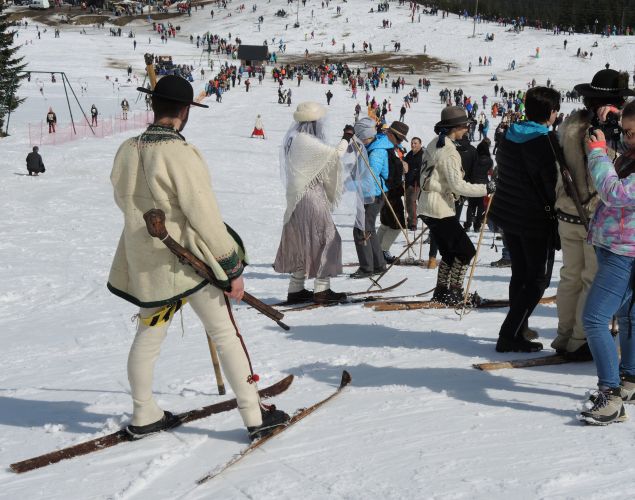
(606, 83)
(309, 112)
(400, 130)
(366, 128)
(173, 88)
(452, 116)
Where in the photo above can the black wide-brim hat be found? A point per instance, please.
(173, 88)
(606, 83)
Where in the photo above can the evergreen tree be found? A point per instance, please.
(10, 65)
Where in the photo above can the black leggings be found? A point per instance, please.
(532, 263)
(451, 239)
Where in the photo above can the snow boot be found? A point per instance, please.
(628, 388)
(517, 345)
(328, 297)
(388, 257)
(271, 418)
(432, 263)
(300, 297)
(168, 421)
(582, 353)
(501, 263)
(607, 408)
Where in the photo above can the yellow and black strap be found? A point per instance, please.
(164, 314)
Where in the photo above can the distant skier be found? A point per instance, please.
(51, 119)
(124, 109)
(93, 114)
(329, 96)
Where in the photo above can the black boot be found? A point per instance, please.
(517, 344)
(271, 418)
(328, 296)
(168, 421)
(389, 258)
(300, 297)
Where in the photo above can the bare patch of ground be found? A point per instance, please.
(79, 17)
(394, 61)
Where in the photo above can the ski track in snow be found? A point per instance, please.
(418, 420)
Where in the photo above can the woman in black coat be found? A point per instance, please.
(523, 209)
(479, 175)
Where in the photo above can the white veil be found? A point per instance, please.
(358, 180)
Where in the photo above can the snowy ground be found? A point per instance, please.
(418, 421)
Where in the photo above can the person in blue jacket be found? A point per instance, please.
(369, 253)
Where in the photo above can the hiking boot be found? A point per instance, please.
(389, 258)
(560, 344)
(501, 263)
(432, 263)
(168, 421)
(328, 296)
(517, 345)
(529, 334)
(379, 270)
(271, 418)
(300, 297)
(627, 386)
(582, 353)
(360, 273)
(607, 408)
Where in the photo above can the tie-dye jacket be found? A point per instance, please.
(613, 224)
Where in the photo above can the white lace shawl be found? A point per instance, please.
(308, 161)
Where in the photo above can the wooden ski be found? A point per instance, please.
(121, 436)
(552, 359)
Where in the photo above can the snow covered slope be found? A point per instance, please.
(418, 421)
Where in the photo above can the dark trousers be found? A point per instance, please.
(369, 253)
(475, 211)
(532, 263)
(451, 239)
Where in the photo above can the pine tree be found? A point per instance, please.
(10, 65)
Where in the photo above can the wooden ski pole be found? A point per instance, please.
(216, 364)
(478, 247)
(376, 281)
(392, 210)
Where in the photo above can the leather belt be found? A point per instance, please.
(571, 219)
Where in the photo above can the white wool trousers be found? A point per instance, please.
(212, 307)
(296, 283)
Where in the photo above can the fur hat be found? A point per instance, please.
(309, 112)
(173, 88)
(606, 83)
(452, 116)
(366, 128)
(400, 130)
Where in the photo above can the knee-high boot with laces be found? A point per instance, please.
(441, 289)
(457, 277)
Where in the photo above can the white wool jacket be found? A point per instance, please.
(445, 183)
(176, 180)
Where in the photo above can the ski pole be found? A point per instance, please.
(478, 247)
(376, 281)
(216, 364)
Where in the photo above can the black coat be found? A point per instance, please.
(414, 167)
(526, 183)
(34, 162)
(479, 173)
(469, 157)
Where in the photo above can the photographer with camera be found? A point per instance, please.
(612, 233)
(605, 94)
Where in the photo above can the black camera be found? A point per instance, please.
(611, 127)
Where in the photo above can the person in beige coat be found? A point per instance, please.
(579, 265)
(160, 169)
(441, 185)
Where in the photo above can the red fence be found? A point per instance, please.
(39, 132)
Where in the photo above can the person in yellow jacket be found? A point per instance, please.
(160, 169)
